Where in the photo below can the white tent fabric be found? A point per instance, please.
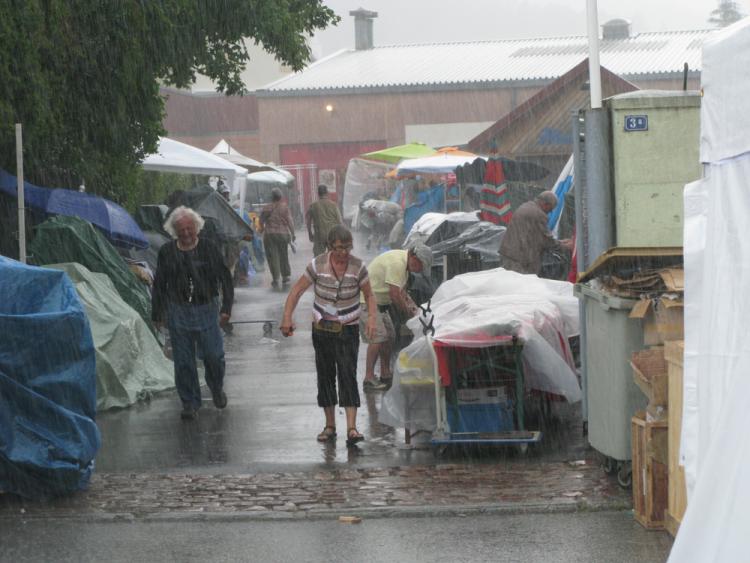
(717, 354)
(228, 152)
(224, 150)
(174, 156)
(442, 163)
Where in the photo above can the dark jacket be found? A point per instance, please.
(176, 269)
(526, 240)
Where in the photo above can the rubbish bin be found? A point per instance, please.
(611, 394)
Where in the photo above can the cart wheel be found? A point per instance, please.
(439, 451)
(609, 465)
(523, 449)
(625, 476)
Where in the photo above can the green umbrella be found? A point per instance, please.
(396, 154)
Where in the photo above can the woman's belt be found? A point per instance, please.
(333, 327)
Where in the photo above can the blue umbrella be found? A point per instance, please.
(116, 224)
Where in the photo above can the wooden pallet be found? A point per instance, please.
(650, 471)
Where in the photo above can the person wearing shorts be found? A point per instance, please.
(389, 273)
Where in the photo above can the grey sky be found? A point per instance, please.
(426, 21)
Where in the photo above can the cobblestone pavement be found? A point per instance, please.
(511, 486)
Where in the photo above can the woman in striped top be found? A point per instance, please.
(338, 279)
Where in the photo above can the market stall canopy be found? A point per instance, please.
(440, 163)
(227, 152)
(114, 222)
(174, 156)
(275, 176)
(400, 152)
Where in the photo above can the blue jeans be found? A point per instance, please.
(192, 326)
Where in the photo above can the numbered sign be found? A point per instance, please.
(636, 123)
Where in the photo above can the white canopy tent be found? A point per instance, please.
(716, 385)
(228, 152)
(441, 163)
(174, 156)
(258, 172)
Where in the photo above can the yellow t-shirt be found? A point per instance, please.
(387, 269)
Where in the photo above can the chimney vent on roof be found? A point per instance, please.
(363, 28)
(616, 29)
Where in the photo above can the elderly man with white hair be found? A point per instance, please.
(528, 237)
(190, 273)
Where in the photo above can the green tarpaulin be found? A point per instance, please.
(130, 364)
(70, 239)
(394, 155)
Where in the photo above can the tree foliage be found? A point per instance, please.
(83, 76)
(727, 13)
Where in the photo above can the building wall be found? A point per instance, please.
(373, 117)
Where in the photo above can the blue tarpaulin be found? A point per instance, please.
(48, 437)
(432, 199)
(116, 223)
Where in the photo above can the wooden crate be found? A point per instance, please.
(677, 498)
(650, 374)
(650, 476)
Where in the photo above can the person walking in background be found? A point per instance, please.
(190, 272)
(341, 283)
(278, 232)
(528, 237)
(321, 217)
(389, 273)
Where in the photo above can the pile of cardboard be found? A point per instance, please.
(661, 309)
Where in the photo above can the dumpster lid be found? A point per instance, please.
(619, 259)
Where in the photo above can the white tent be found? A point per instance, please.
(259, 173)
(174, 156)
(441, 163)
(228, 152)
(716, 386)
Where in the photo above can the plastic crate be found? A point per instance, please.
(497, 417)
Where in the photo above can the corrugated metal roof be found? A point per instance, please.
(445, 64)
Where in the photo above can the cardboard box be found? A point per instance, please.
(663, 319)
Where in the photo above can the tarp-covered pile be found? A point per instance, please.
(70, 239)
(130, 364)
(471, 310)
(48, 437)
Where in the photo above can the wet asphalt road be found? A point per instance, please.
(595, 537)
(273, 418)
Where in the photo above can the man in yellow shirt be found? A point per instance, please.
(389, 273)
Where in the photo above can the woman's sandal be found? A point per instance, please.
(329, 433)
(353, 436)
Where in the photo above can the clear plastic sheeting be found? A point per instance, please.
(481, 237)
(716, 385)
(424, 227)
(362, 177)
(130, 365)
(471, 310)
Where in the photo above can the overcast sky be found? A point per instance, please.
(427, 21)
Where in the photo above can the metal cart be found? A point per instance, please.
(479, 392)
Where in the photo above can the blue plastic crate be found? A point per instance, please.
(490, 417)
